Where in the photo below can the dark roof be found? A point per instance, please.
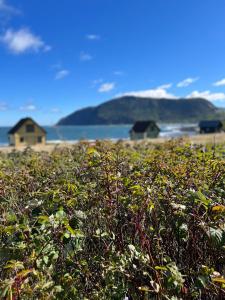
(20, 123)
(142, 126)
(211, 124)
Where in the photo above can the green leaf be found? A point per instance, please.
(201, 198)
(161, 268)
(13, 264)
(216, 235)
(203, 280)
(45, 259)
(43, 219)
(66, 235)
(58, 288)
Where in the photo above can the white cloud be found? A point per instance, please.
(106, 87)
(220, 82)
(85, 56)
(8, 9)
(165, 86)
(186, 82)
(207, 95)
(61, 74)
(28, 107)
(158, 93)
(96, 82)
(22, 41)
(93, 37)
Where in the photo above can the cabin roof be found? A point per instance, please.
(142, 126)
(211, 124)
(19, 124)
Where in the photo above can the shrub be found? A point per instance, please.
(112, 221)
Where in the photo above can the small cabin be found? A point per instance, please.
(144, 130)
(26, 133)
(211, 126)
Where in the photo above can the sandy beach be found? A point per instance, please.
(195, 139)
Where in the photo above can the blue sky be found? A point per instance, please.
(57, 56)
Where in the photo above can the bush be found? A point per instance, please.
(112, 221)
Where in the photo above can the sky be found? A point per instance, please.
(57, 56)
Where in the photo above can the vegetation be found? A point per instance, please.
(113, 221)
(129, 109)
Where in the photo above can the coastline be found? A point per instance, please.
(195, 139)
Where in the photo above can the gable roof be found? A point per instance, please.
(211, 124)
(142, 126)
(15, 128)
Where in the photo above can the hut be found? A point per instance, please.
(143, 130)
(211, 126)
(26, 133)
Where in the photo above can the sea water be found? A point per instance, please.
(57, 134)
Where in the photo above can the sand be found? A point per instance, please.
(196, 139)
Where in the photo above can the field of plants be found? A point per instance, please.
(113, 221)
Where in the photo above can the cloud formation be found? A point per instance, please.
(62, 74)
(96, 82)
(85, 56)
(165, 86)
(186, 82)
(158, 93)
(8, 9)
(22, 41)
(207, 95)
(106, 87)
(162, 93)
(93, 37)
(220, 82)
(28, 107)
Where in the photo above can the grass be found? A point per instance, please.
(112, 221)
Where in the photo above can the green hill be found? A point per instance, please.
(128, 109)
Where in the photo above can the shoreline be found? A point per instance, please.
(203, 139)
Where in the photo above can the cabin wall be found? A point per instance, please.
(12, 140)
(210, 130)
(24, 138)
(152, 132)
(137, 136)
(43, 139)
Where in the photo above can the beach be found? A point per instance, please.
(194, 139)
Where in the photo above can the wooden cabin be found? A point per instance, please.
(26, 133)
(144, 130)
(211, 126)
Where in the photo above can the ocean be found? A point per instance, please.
(57, 134)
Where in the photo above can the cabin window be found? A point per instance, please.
(29, 128)
(39, 139)
(21, 139)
